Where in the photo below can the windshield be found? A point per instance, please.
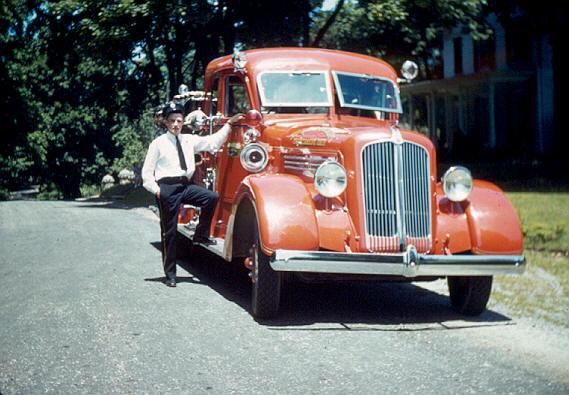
(367, 92)
(294, 89)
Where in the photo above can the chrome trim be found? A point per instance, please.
(373, 108)
(399, 194)
(397, 202)
(408, 264)
(304, 162)
(244, 157)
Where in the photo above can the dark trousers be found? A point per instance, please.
(171, 196)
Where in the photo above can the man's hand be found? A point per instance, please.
(158, 195)
(235, 119)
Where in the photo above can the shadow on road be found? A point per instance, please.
(109, 203)
(349, 305)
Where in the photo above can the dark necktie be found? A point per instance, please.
(181, 154)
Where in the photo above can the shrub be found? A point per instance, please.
(89, 190)
(49, 192)
(537, 234)
(4, 194)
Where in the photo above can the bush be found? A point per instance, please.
(89, 190)
(49, 192)
(4, 194)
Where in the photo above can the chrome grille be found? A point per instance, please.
(396, 184)
(304, 163)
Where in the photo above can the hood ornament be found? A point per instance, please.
(396, 136)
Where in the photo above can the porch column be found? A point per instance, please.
(491, 116)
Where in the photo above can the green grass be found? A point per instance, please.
(544, 218)
(543, 291)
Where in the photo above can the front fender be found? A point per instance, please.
(285, 212)
(493, 222)
(484, 224)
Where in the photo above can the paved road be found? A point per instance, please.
(83, 310)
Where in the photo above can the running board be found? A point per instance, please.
(217, 248)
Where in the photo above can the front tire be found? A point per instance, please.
(266, 287)
(469, 295)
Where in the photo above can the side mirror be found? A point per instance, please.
(409, 71)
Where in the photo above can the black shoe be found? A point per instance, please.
(206, 241)
(170, 282)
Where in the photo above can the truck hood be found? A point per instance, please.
(322, 132)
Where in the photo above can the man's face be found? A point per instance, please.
(174, 123)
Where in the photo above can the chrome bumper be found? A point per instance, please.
(407, 264)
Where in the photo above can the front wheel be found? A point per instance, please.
(469, 295)
(266, 292)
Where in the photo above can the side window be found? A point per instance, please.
(236, 100)
(214, 95)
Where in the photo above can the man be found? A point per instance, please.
(167, 172)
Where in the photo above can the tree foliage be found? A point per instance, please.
(398, 29)
(79, 78)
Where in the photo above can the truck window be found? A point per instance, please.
(236, 100)
(214, 95)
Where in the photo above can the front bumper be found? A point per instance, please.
(407, 264)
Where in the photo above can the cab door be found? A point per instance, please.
(235, 99)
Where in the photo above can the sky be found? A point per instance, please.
(329, 5)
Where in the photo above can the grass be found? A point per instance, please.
(543, 291)
(544, 218)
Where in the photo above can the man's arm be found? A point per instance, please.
(148, 180)
(215, 141)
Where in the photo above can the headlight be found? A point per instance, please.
(457, 183)
(254, 158)
(330, 179)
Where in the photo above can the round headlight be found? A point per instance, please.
(457, 183)
(330, 179)
(254, 158)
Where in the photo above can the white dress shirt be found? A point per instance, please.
(162, 157)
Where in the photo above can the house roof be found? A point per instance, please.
(464, 82)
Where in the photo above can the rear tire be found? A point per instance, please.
(266, 287)
(469, 295)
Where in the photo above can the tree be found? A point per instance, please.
(80, 77)
(397, 29)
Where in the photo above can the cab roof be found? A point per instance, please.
(306, 59)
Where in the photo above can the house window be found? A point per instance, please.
(457, 45)
(484, 55)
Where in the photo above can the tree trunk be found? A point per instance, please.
(329, 22)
